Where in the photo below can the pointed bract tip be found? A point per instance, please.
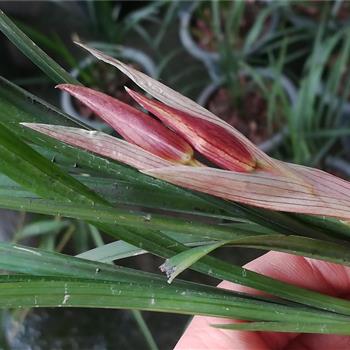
(60, 86)
(67, 87)
(35, 126)
(79, 43)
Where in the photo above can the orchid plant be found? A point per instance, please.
(164, 150)
(217, 174)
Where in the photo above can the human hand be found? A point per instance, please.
(331, 279)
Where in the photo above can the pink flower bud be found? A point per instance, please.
(214, 142)
(134, 125)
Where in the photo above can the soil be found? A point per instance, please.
(202, 24)
(109, 81)
(250, 117)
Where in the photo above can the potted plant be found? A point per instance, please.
(248, 112)
(202, 25)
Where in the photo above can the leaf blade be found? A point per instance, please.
(33, 52)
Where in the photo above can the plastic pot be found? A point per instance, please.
(210, 59)
(274, 141)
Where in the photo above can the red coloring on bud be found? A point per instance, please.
(213, 141)
(133, 125)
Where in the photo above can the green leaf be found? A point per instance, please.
(13, 198)
(244, 237)
(41, 228)
(294, 327)
(33, 52)
(336, 228)
(160, 245)
(76, 282)
(20, 291)
(96, 236)
(313, 248)
(257, 28)
(19, 105)
(39, 174)
(304, 246)
(163, 246)
(180, 262)
(120, 249)
(111, 252)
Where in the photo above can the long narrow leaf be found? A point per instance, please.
(245, 237)
(111, 252)
(127, 288)
(162, 246)
(37, 173)
(32, 291)
(40, 228)
(296, 327)
(33, 52)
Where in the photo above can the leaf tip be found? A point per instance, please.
(25, 124)
(169, 270)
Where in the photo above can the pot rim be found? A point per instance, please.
(208, 57)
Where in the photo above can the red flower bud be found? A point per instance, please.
(211, 140)
(134, 125)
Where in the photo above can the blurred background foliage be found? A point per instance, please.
(276, 70)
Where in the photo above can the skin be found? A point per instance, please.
(331, 279)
